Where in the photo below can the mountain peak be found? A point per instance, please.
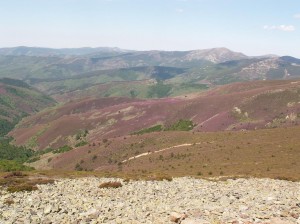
(215, 55)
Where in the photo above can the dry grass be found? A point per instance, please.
(111, 184)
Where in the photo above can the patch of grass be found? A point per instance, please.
(159, 90)
(45, 151)
(181, 125)
(34, 159)
(82, 143)
(62, 149)
(155, 128)
(111, 184)
(32, 142)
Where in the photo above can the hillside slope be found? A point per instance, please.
(252, 105)
(269, 153)
(17, 100)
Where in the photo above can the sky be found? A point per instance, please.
(254, 27)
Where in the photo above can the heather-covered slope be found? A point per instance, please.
(269, 153)
(253, 105)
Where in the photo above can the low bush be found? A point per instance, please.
(9, 202)
(14, 183)
(111, 184)
(23, 187)
(14, 174)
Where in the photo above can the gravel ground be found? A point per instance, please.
(200, 201)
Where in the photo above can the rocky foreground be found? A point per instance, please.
(183, 200)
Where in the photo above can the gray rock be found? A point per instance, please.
(47, 209)
(194, 221)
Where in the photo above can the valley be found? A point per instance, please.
(212, 118)
(84, 100)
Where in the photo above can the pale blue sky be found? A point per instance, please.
(254, 27)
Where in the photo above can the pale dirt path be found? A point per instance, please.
(161, 150)
(208, 119)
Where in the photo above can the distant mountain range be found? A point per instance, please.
(93, 70)
(47, 52)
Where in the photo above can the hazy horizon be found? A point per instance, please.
(251, 27)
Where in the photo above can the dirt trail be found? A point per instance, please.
(208, 119)
(161, 150)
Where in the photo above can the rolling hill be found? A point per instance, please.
(239, 106)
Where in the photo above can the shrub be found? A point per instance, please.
(78, 167)
(9, 202)
(111, 184)
(15, 174)
(18, 188)
(42, 152)
(105, 140)
(14, 183)
(34, 159)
